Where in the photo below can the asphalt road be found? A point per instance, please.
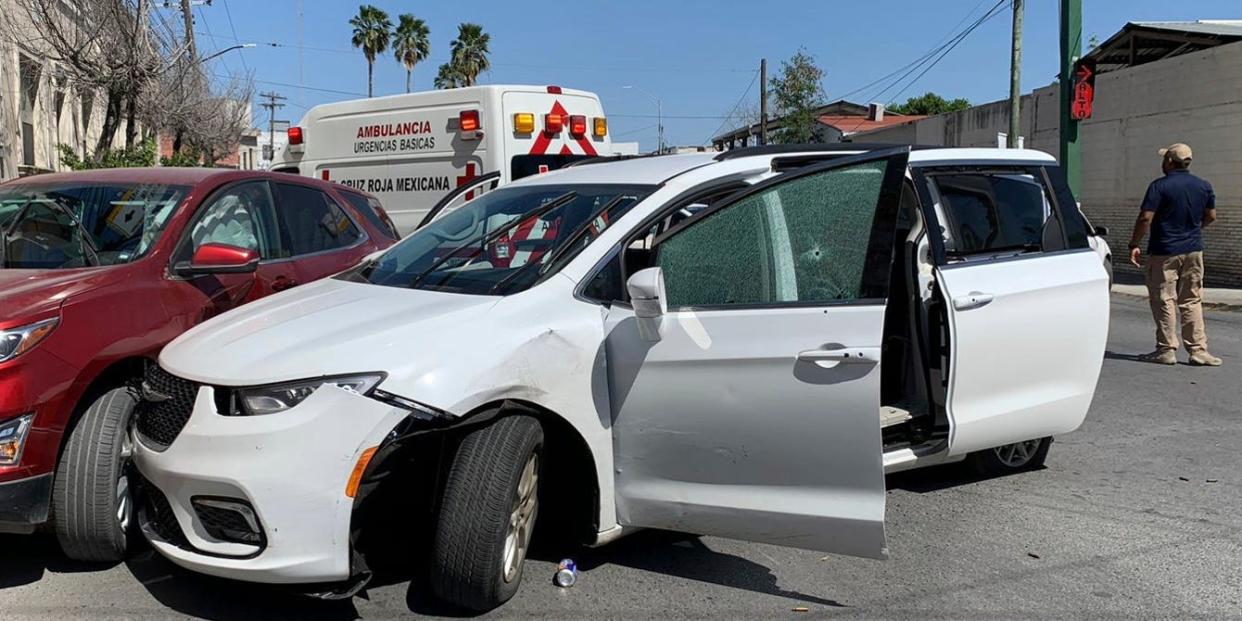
(1136, 515)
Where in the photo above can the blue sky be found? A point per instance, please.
(697, 56)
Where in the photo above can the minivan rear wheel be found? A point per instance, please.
(1011, 458)
(487, 514)
(92, 502)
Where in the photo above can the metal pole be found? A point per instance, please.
(763, 101)
(660, 123)
(1071, 48)
(189, 28)
(1015, 78)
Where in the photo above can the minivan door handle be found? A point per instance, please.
(974, 299)
(853, 355)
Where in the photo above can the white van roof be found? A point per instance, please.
(428, 98)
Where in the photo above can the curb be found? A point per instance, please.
(1216, 306)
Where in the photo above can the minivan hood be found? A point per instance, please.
(329, 327)
(26, 293)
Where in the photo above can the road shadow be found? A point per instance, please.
(27, 557)
(1112, 355)
(685, 556)
(206, 597)
(937, 478)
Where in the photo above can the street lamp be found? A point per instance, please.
(659, 114)
(227, 49)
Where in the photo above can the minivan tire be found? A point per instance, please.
(91, 490)
(483, 493)
(999, 461)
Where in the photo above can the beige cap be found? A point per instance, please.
(1178, 152)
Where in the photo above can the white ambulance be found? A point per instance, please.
(414, 150)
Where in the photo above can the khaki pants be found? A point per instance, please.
(1175, 287)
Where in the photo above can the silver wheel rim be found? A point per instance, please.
(1017, 454)
(124, 501)
(522, 518)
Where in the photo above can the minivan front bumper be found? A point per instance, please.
(286, 472)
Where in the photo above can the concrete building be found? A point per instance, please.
(39, 108)
(1158, 83)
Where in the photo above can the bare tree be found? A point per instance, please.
(112, 46)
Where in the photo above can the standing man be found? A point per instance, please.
(1176, 208)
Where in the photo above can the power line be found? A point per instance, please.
(309, 88)
(939, 53)
(241, 53)
(735, 106)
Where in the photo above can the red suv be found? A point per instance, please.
(100, 270)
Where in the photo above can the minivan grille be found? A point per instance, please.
(164, 407)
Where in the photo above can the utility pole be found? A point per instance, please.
(1015, 78)
(1071, 49)
(188, 15)
(763, 101)
(272, 104)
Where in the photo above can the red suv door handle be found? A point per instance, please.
(283, 283)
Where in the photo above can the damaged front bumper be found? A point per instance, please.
(283, 475)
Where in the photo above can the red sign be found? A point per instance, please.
(1083, 95)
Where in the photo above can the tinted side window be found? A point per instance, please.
(1076, 227)
(812, 239)
(242, 216)
(310, 221)
(997, 212)
(369, 208)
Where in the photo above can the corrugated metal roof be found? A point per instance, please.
(1217, 27)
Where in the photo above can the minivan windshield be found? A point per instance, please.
(503, 241)
(79, 224)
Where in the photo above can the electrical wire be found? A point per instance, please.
(240, 53)
(729, 116)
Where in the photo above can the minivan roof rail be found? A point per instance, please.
(603, 159)
(769, 149)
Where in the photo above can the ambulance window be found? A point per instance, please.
(310, 221)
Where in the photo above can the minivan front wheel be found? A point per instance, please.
(1010, 458)
(92, 503)
(487, 514)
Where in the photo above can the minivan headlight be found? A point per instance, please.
(13, 439)
(275, 398)
(17, 341)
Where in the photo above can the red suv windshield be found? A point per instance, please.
(68, 224)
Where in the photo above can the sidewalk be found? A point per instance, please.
(1213, 298)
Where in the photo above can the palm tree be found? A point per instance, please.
(411, 44)
(372, 30)
(469, 53)
(447, 77)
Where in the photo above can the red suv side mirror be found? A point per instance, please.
(212, 258)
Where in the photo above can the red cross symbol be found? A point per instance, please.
(466, 178)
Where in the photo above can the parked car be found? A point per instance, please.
(99, 271)
(685, 342)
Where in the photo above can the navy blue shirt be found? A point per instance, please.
(1179, 200)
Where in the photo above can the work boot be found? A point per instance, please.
(1165, 356)
(1204, 359)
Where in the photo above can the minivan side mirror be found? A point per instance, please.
(1101, 231)
(646, 288)
(213, 258)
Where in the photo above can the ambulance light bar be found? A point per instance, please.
(295, 135)
(601, 126)
(553, 123)
(524, 123)
(554, 90)
(468, 123)
(577, 125)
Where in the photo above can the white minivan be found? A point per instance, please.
(739, 344)
(412, 150)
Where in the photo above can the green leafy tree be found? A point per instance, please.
(372, 31)
(411, 44)
(187, 157)
(469, 53)
(796, 93)
(930, 103)
(141, 155)
(447, 77)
